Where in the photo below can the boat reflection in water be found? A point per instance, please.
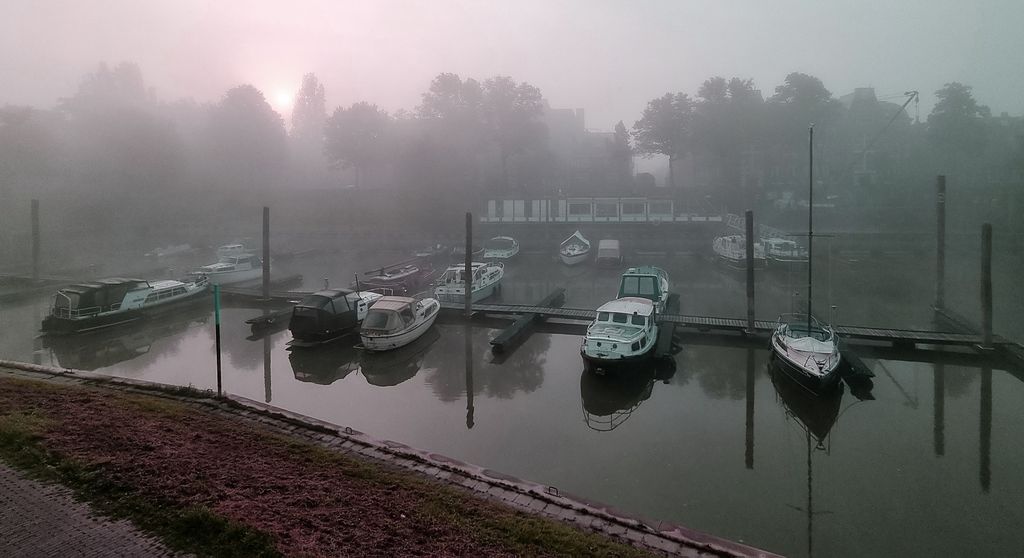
(327, 363)
(391, 368)
(816, 414)
(107, 347)
(610, 399)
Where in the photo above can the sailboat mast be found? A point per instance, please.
(810, 221)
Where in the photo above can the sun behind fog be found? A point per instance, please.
(282, 99)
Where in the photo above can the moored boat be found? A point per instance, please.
(234, 268)
(625, 332)
(486, 281)
(500, 248)
(117, 300)
(807, 350)
(732, 251)
(784, 251)
(609, 253)
(575, 249)
(646, 282)
(398, 279)
(396, 321)
(327, 315)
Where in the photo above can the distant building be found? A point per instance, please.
(586, 163)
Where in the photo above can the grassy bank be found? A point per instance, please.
(210, 485)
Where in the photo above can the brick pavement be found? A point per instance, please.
(44, 520)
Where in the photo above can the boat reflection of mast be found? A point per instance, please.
(266, 364)
(749, 456)
(939, 408)
(469, 376)
(985, 436)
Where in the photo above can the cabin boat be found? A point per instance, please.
(609, 253)
(327, 315)
(396, 321)
(784, 251)
(500, 248)
(117, 300)
(624, 333)
(732, 251)
(237, 268)
(807, 351)
(646, 282)
(575, 249)
(401, 279)
(486, 281)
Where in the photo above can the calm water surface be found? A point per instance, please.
(926, 464)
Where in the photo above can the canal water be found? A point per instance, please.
(921, 459)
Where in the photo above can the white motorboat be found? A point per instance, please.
(500, 248)
(784, 251)
(575, 249)
(108, 302)
(486, 281)
(625, 332)
(229, 250)
(646, 282)
(396, 321)
(232, 269)
(732, 251)
(808, 350)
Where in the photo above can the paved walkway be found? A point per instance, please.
(44, 520)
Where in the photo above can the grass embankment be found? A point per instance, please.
(209, 485)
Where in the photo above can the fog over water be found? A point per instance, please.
(149, 134)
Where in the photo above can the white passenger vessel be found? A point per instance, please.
(486, 281)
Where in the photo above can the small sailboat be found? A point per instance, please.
(807, 350)
(575, 249)
(486, 281)
(624, 333)
(396, 321)
(500, 248)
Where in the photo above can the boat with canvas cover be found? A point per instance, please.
(500, 248)
(117, 300)
(575, 249)
(327, 315)
(646, 282)
(396, 321)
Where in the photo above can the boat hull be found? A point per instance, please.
(815, 383)
(232, 277)
(574, 259)
(478, 295)
(601, 365)
(401, 339)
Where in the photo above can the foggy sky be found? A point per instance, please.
(607, 57)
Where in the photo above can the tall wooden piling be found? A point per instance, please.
(750, 272)
(266, 253)
(35, 240)
(468, 275)
(986, 285)
(940, 244)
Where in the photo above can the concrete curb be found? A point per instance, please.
(658, 536)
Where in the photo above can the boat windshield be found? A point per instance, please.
(381, 319)
(801, 330)
(639, 320)
(620, 318)
(638, 285)
(602, 316)
(316, 301)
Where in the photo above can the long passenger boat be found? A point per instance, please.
(117, 300)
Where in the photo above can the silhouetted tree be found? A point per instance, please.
(309, 118)
(956, 126)
(511, 113)
(247, 139)
(620, 156)
(355, 137)
(727, 124)
(665, 129)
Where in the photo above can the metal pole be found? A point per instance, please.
(468, 273)
(810, 221)
(750, 272)
(35, 240)
(986, 285)
(216, 321)
(940, 246)
(266, 253)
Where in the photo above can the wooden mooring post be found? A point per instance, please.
(940, 244)
(35, 240)
(266, 253)
(750, 272)
(986, 285)
(468, 274)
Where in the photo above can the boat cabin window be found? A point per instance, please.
(71, 301)
(639, 320)
(378, 319)
(178, 291)
(407, 316)
(643, 286)
(620, 318)
(602, 316)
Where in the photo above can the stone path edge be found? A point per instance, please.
(659, 536)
